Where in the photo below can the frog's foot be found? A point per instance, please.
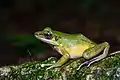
(88, 63)
(92, 61)
(49, 67)
(53, 66)
(84, 63)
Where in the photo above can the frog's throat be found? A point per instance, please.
(48, 41)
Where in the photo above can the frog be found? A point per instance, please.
(72, 46)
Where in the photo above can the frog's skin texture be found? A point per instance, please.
(73, 46)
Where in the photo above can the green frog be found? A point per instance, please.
(72, 46)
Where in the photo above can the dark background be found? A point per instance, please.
(99, 20)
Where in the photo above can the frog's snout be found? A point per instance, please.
(36, 33)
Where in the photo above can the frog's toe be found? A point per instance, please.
(79, 67)
(84, 63)
(89, 64)
(53, 66)
(49, 68)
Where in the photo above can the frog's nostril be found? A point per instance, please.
(36, 33)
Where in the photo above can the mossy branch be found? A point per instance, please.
(106, 69)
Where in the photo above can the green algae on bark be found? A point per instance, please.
(106, 69)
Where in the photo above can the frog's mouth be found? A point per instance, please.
(48, 41)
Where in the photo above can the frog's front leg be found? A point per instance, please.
(62, 60)
(90, 53)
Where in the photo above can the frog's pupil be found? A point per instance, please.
(48, 35)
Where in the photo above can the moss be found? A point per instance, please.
(106, 69)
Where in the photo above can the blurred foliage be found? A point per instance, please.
(25, 42)
(22, 39)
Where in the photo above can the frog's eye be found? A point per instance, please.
(48, 35)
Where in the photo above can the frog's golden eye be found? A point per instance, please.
(48, 35)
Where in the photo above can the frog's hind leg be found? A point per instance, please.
(94, 51)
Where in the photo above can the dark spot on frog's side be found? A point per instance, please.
(57, 38)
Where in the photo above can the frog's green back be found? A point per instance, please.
(73, 39)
